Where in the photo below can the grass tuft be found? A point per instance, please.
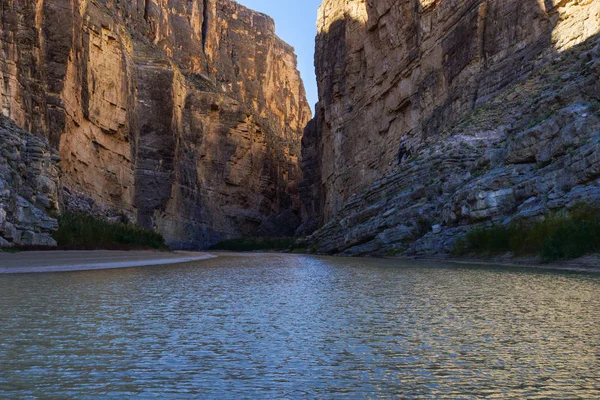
(10, 250)
(86, 232)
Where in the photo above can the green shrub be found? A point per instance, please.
(574, 236)
(257, 244)
(10, 250)
(559, 236)
(82, 231)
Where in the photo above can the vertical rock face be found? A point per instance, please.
(29, 187)
(395, 77)
(393, 73)
(185, 115)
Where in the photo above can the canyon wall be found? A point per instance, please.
(433, 118)
(186, 116)
(29, 187)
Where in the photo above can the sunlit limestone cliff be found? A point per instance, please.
(435, 117)
(185, 116)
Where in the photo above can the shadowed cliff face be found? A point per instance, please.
(392, 74)
(185, 115)
(395, 77)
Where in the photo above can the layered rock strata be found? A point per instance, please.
(435, 117)
(29, 188)
(185, 115)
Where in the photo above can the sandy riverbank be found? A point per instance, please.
(64, 261)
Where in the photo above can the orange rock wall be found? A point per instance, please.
(185, 115)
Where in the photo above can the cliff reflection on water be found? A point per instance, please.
(297, 326)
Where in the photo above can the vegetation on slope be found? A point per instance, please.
(533, 100)
(559, 236)
(86, 232)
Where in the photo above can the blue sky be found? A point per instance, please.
(296, 23)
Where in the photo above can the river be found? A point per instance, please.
(286, 326)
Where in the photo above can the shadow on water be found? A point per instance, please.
(402, 264)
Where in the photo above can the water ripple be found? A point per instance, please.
(296, 326)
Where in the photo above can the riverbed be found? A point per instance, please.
(296, 326)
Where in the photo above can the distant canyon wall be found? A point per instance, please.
(186, 116)
(392, 73)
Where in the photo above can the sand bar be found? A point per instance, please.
(65, 261)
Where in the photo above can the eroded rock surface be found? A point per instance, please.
(184, 115)
(29, 188)
(437, 116)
